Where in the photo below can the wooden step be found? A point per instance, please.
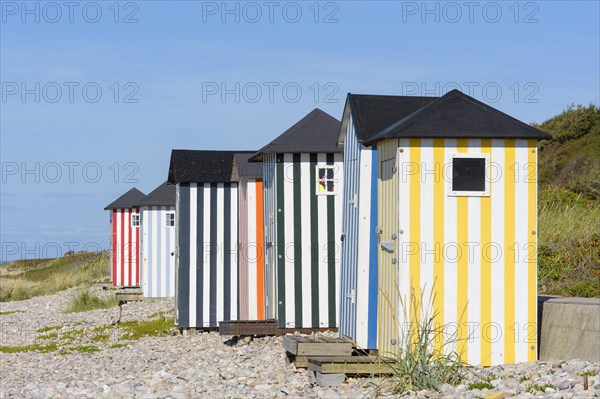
(248, 327)
(129, 294)
(262, 327)
(299, 345)
(351, 365)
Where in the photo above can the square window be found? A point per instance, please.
(326, 183)
(135, 220)
(170, 219)
(469, 175)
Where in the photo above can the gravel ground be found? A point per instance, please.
(205, 365)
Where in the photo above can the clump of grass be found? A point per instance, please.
(524, 378)
(11, 312)
(54, 278)
(85, 349)
(539, 388)
(72, 335)
(135, 330)
(84, 301)
(418, 364)
(49, 336)
(105, 337)
(480, 385)
(29, 348)
(118, 345)
(48, 328)
(569, 244)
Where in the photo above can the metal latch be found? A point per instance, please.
(387, 246)
(352, 296)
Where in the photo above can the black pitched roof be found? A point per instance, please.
(163, 195)
(316, 132)
(457, 115)
(199, 166)
(127, 200)
(244, 168)
(373, 113)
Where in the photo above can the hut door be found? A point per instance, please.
(388, 246)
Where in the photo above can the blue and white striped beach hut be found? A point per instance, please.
(157, 258)
(363, 117)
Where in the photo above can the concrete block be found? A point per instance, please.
(570, 329)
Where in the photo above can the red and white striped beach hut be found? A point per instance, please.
(125, 239)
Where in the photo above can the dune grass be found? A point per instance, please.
(569, 244)
(418, 361)
(54, 278)
(84, 301)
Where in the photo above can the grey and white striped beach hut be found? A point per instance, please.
(207, 237)
(303, 185)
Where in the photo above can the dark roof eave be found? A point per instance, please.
(377, 139)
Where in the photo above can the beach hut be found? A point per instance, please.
(303, 185)
(157, 257)
(207, 237)
(457, 226)
(251, 238)
(364, 116)
(125, 239)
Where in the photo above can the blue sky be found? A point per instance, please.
(96, 94)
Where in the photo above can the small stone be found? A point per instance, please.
(329, 393)
(564, 384)
(511, 383)
(494, 395)
(578, 387)
(285, 390)
(444, 388)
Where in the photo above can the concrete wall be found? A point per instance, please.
(570, 328)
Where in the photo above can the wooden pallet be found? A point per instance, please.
(129, 295)
(353, 365)
(301, 362)
(298, 345)
(261, 328)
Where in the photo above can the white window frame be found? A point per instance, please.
(449, 177)
(134, 217)
(168, 216)
(334, 180)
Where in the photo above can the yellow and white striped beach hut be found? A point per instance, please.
(457, 226)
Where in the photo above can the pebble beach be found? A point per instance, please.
(89, 355)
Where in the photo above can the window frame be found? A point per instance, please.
(168, 219)
(450, 177)
(334, 180)
(134, 217)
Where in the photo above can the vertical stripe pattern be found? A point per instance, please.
(358, 296)
(251, 255)
(157, 257)
(125, 267)
(207, 266)
(472, 257)
(302, 233)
